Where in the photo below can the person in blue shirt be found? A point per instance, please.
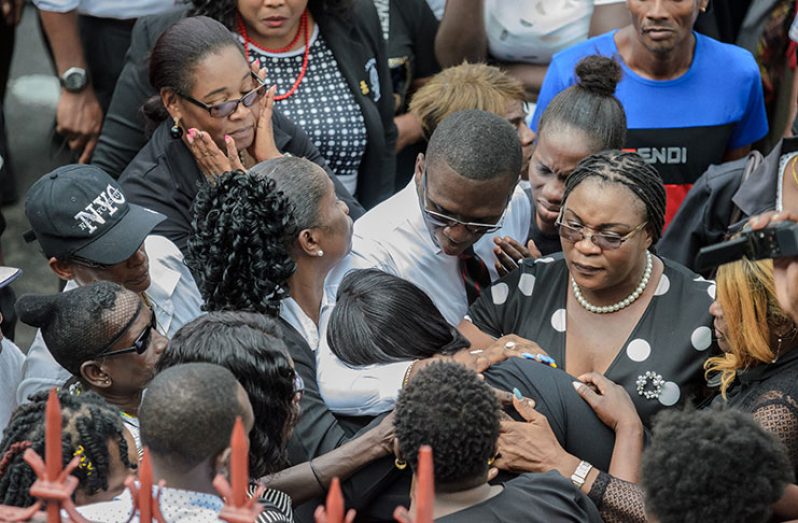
(690, 101)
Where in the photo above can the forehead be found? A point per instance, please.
(598, 202)
(515, 110)
(224, 69)
(561, 149)
(466, 197)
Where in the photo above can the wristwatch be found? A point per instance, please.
(74, 79)
(580, 474)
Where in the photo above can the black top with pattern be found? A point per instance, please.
(669, 343)
(768, 392)
(323, 104)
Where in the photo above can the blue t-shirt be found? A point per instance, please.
(682, 126)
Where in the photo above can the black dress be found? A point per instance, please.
(768, 392)
(531, 498)
(665, 352)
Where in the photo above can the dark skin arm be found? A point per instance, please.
(301, 483)
(461, 35)
(605, 18)
(78, 115)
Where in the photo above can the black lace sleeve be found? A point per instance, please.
(618, 501)
(777, 413)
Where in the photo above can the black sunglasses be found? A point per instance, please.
(223, 109)
(141, 343)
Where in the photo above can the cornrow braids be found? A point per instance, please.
(632, 171)
(88, 425)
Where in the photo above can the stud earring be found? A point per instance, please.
(491, 460)
(176, 131)
(400, 464)
(320, 253)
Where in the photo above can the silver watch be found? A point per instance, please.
(580, 474)
(74, 79)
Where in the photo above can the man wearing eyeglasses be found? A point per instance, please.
(437, 233)
(89, 232)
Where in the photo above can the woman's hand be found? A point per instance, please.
(210, 159)
(263, 146)
(509, 253)
(510, 346)
(609, 401)
(531, 446)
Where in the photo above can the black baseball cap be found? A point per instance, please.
(78, 210)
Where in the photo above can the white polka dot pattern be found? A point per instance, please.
(663, 286)
(499, 293)
(558, 320)
(526, 284)
(638, 350)
(701, 338)
(323, 104)
(670, 394)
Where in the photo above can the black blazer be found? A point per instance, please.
(706, 213)
(164, 176)
(123, 134)
(358, 45)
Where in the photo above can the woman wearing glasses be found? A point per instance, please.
(213, 113)
(608, 304)
(105, 336)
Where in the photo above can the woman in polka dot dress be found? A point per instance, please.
(328, 60)
(607, 304)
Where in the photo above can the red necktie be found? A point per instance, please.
(474, 272)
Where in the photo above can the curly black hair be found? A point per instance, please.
(88, 421)
(740, 472)
(447, 407)
(225, 11)
(251, 347)
(240, 249)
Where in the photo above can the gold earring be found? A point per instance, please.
(491, 460)
(400, 464)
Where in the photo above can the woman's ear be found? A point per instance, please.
(308, 241)
(94, 374)
(171, 101)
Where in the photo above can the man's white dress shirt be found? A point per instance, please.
(393, 237)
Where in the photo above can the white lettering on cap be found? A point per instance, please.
(105, 203)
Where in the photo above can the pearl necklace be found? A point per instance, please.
(621, 304)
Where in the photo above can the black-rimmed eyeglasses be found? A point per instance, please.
(443, 220)
(224, 109)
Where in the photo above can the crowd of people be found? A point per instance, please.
(365, 226)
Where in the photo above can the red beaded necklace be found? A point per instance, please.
(304, 27)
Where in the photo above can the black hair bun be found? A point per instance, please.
(598, 74)
(37, 310)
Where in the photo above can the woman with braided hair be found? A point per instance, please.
(92, 430)
(607, 304)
